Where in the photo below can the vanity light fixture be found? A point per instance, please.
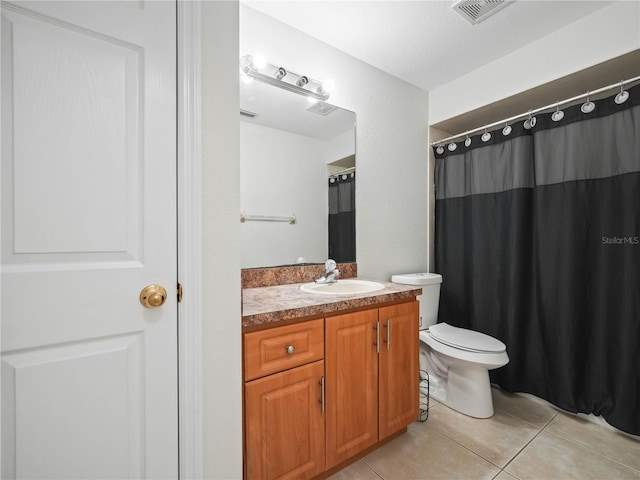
(280, 74)
(256, 66)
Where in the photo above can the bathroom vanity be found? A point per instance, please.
(327, 378)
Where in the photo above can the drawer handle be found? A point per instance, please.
(290, 349)
(388, 340)
(377, 342)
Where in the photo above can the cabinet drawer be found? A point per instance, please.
(280, 348)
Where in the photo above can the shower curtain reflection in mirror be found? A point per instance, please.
(342, 217)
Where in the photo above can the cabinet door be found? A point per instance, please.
(285, 424)
(398, 374)
(351, 384)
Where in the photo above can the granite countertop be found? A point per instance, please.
(262, 305)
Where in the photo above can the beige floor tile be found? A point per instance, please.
(424, 453)
(551, 457)
(497, 439)
(505, 476)
(532, 411)
(608, 442)
(356, 471)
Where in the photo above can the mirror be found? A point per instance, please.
(288, 150)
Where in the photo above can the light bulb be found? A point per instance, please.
(258, 61)
(328, 85)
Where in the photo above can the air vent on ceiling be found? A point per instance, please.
(474, 11)
(322, 108)
(247, 113)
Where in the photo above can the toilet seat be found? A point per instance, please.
(464, 339)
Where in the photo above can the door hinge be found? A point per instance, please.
(179, 292)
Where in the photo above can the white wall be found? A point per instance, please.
(221, 330)
(605, 34)
(340, 146)
(391, 190)
(282, 173)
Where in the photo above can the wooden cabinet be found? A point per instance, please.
(372, 377)
(351, 385)
(398, 373)
(280, 348)
(362, 366)
(283, 395)
(284, 424)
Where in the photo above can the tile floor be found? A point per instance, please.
(525, 439)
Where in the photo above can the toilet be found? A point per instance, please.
(457, 360)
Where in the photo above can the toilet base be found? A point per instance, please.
(468, 391)
(459, 378)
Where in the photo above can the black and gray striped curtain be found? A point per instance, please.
(538, 243)
(342, 218)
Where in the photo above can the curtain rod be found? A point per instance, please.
(340, 172)
(537, 110)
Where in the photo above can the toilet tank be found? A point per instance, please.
(430, 298)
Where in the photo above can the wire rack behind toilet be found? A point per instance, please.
(424, 396)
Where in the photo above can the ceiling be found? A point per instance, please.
(425, 43)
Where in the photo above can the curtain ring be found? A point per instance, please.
(530, 122)
(623, 95)
(588, 106)
(558, 114)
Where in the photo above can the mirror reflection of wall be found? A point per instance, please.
(286, 147)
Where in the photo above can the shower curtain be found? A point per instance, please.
(342, 218)
(538, 243)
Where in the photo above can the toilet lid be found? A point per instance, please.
(465, 339)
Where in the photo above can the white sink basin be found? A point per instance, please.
(342, 287)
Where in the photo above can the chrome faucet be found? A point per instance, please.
(331, 273)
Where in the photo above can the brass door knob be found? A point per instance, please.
(152, 296)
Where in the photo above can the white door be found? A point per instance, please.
(89, 375)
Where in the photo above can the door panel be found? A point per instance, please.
(88, 220)
(55, 391)
(351, 384)
(399, 376)
(285, 424)
(76, 128)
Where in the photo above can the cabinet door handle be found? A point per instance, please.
(290, 349)
(377, 342)
(388, 340)
(321, 383)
